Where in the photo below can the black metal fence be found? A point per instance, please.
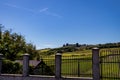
(76, 66)
(73, 66)
(110, 64)
(82, 67)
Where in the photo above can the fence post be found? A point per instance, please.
(58, 65)
(96, 64)
(1, 55)
(26, 65)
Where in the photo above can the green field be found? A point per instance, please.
(79, 63)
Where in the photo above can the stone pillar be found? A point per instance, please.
(58, 65)
(26, 65)
(96, 64)
(1, 55)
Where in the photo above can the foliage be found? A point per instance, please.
(11, 67)
(13, 45)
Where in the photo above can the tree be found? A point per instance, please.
(77, 44)
(63, 45)
(0, 31)
(67, 44)
(31, 49)
(13, 45)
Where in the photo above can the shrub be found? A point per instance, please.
(11, 67)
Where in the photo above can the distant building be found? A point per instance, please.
(33, 63)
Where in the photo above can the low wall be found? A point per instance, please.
(36, 77)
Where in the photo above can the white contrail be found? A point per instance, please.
(45, 10)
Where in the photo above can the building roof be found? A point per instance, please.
(31, 62)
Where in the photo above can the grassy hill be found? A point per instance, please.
(77, 49)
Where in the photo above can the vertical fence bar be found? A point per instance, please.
(26, 65)
(119, 64)
(96, 67)
(58, 65)
(78, 68)
(101, 64)
(1, 55)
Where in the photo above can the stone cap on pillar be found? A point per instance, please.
(26, 54)
(58, 54)
(95, 48)
(1, 54)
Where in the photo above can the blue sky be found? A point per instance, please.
(51, 23)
